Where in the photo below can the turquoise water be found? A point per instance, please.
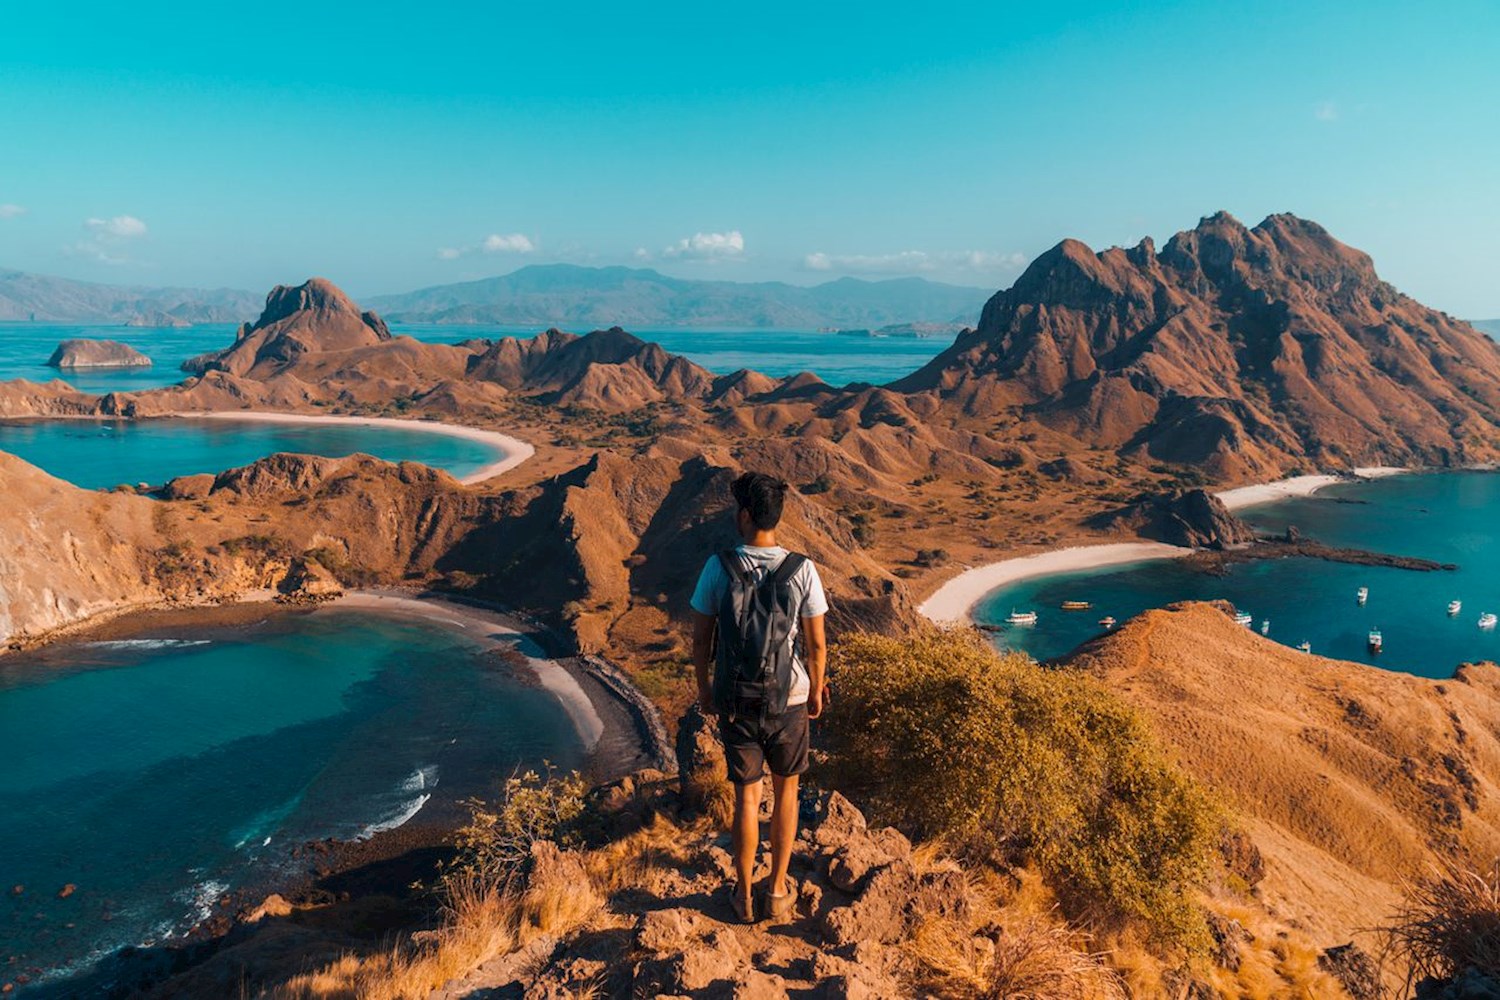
(160, 772)
(25, 348)
(104, 453)
(1448, 517)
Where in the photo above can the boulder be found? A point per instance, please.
(309, 580)
(97, 354)
(1355, 970)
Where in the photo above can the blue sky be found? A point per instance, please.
(392, 146)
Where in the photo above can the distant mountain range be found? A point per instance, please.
(26, 296)
(588, 297)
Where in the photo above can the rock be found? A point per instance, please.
(309, 580)
(1192, 518)
(836, 822)
(67, 891)
(701, 770)
(1241, 857)
(193, 487)
(1467, 985)
(1229, 938)
(272, 906)
(1355, 970)
(97, 354)
(17, 890)
(754, 984)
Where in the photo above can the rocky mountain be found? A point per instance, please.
(1241, 351)
(568, 295)
(97, 354)
(311, 318)
(25, 296)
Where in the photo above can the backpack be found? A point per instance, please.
(754, 658)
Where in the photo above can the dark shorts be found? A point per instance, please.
(750, 744)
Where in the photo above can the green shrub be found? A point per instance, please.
(945, 737)
(494, 847)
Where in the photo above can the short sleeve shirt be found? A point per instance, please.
(760, 561)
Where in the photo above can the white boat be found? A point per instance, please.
(1305, 646)
(1454, 607)
(1362, 594)
(1377, 641)
(1244, 618)
(1487, 620)
(1020, 617)
(1265, 626)
(1108, 621)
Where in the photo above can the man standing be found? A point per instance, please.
(759, 598)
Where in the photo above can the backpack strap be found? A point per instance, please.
(788, 569)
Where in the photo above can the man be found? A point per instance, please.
(759, 599)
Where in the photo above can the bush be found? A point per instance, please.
(1449, 924)
(1001, 757)
(494, 847)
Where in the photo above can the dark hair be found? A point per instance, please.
(762, 496)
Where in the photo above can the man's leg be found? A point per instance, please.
(783, 830)
(746, 835)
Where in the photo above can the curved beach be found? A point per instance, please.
(513, 451)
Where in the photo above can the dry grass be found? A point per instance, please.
(1448, 922)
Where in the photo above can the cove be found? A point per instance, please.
(160, 771)
(1448, 516)
(98, 454)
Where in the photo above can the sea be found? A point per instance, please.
(1448, 517)
(157, 773)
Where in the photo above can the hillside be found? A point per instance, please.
(568, 295)
(1247, 352)
(26, 296)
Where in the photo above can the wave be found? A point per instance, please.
(398, 818)
(422, 777)
(201, 899)
(146, 644)
(420, 780)
(265, 824)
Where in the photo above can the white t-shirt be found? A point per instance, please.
(762, 560)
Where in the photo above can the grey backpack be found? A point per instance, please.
(754, 663)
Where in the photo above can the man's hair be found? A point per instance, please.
(762, 496)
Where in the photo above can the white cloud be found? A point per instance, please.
(107, 238)
(1326, 111)
(708, 246)
(915, 261)
(9, 211)
(641, 253)
(512, 243)
(493, 243)
(125, 227)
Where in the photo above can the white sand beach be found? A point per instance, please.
(1298, 486)
(513, 450)
(954, 600)
(491, 628)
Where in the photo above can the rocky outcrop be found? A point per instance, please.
(97, 354)
(308, 319)
(1193, 518)
(1245, 352)
(156, 319)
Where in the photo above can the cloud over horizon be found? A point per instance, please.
(9, 210)
(706, 247)
(493, 243)
(107, 239)
(979, 262)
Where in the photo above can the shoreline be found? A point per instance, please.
(954, 601)
(512, 451)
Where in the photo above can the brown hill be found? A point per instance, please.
(1244, 351)
(310, 318)
(1348, 777)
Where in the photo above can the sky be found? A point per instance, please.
(394, 146)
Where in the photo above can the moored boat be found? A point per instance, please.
(1244, 618)
(1362, 594)
(1487, 620)
(1107, 621)
(1377, 641)
(1305, 646)
(1454, 607)
(1265, 626)
(1076, 605)
(1020, 617)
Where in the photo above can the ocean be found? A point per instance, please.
(159, 772)
(838, 360)
(1449, 517)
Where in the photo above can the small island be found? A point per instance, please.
(97, 354)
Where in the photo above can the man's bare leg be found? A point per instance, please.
(783, 830)
(746, 838)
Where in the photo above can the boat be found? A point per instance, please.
(1020, 617)
(1265, 626)
(1244, 618)
(1305, 646)
(1487, 620)
(1076, 605)
(1454, 607)
(1107, 621)
(1376, 640)
(1362, 594)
